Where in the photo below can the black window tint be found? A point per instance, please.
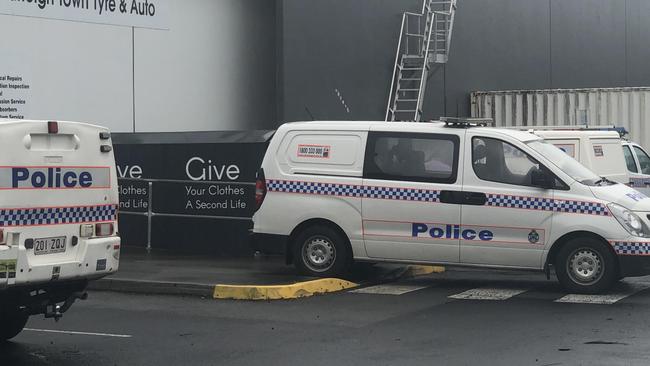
(644, 160)
(629, 159)
(498, 161)
(412, 157)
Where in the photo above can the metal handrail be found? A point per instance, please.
(452, 6)
(149, 213)
(392, 82)
(425, 65)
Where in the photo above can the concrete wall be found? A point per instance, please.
(497, 44)
(214, 69)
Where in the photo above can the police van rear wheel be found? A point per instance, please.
(586, 265)
(12, 323)
(321, 251)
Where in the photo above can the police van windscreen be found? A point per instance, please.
(566, 163)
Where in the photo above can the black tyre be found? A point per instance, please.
(12, 322)
(321, 251)
(586, 265)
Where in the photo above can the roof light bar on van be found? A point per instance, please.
(52, 127)
(621, 130)
(462, 122)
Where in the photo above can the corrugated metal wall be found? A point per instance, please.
(622, 107)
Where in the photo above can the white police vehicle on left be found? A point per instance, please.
(58, 217)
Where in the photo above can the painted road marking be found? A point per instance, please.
(79, 333)
(488, 293)
(388, 289)
(606, 299)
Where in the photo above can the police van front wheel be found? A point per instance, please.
(321, 251)
(586, 265)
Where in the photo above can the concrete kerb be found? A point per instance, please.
(314, 287)
(255, 292)
(152, 287)
(282, 292)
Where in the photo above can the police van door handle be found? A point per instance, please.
(452, 197)
(474, 198)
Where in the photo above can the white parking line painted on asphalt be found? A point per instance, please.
(606, 299)
(388, 289)
(78, 333)
(488, 293)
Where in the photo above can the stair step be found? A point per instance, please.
(407, 100)
(410, 79)
(408, 90)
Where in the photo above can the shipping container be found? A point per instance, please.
(621, 107)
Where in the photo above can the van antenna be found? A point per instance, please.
(309, 113)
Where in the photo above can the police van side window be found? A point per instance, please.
(644, 160)
(412, 157)
(498, 161)
(629, 160)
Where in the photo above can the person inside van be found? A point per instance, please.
(495, 160)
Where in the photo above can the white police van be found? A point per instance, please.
(455, 193)
(58, 217)
(637, 162)
(603, 151)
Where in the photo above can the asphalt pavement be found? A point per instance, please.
(455, 318)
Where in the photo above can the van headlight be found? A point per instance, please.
(630, 221)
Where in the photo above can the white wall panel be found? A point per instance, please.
(76, 71)
(213, 69)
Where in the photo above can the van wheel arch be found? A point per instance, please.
(555, 249)
(308, 223)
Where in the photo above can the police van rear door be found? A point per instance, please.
(54, 177)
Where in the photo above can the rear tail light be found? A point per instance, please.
(3, 240)
(260, 189)
(104, 229)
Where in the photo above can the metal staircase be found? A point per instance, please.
(423, 42)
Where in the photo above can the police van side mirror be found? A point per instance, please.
(541, 178)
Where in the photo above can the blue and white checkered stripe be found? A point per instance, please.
(547, 204)
(426, 195)
(329, 189)
(350, 190)
(531, 203)
(631, 248)
(639, 182)
(406, 194)
(590, 208)
(56, 215)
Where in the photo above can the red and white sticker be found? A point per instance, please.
(314, 151)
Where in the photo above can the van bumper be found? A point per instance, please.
(634, 265)
(269, 243)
